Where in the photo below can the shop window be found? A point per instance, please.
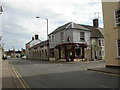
(78, 52)
(51, 53)
(62, 53)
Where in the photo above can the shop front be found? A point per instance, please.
(71, 51)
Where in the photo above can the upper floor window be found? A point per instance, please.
(117, 17)
(118, 48)
(50, 38)
(62, 36)
(101, 42)
(82, 36)
(53, 38)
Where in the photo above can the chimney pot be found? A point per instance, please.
(36, 36)
(96, 22)
(32, 38)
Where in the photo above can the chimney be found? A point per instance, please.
(36, 36)
(32, 38)
(96, 22)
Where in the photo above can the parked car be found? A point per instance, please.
(4, 58)
(23, 57)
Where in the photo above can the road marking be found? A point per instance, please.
(21, 80)
(117, 75)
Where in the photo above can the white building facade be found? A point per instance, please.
(73, 42)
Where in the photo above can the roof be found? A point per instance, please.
(70, 25)
(46, 42)
(95, 31)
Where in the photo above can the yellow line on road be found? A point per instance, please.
(21, 80)
(111, 74)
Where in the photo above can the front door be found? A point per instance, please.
(69, 55)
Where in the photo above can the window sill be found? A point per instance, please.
(118, 58)
(116, 27)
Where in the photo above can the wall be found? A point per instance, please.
(111, 33)
(76, 36)
(0, 53)
(57, 37)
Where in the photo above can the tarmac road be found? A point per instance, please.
(46, 74)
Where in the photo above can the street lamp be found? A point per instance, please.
(1, 9)
(47, 25)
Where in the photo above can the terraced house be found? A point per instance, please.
(111, 17)
(73, 41)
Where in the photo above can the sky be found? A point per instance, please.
(19, 23)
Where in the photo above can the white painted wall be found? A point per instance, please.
(74, 37)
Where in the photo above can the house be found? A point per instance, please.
(37, 50)
(111, 18)
(73, 41)
(97, 42)
(35, 40)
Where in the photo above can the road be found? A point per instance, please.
(46, 74)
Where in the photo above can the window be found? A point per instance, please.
(52, 38)
(62, 36)
(118, 48)
(101, 42)
(117, 17)
(82, 36)
(100, 53)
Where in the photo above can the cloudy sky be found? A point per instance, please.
(19, 22)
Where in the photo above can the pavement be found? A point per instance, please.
(110, 70)
(10, 79)
(7, 78)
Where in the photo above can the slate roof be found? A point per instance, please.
(95, 32)
(70, 25)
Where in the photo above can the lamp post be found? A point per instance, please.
(1, 9)
(47, 24)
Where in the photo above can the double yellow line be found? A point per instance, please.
(19, 78)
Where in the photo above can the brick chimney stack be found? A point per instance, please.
(96, 22)
(36, 36)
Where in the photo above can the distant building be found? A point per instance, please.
(111, 17)
(13, 53)
(35, 40)
(39, 51)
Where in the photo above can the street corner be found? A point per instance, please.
(104, 70)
